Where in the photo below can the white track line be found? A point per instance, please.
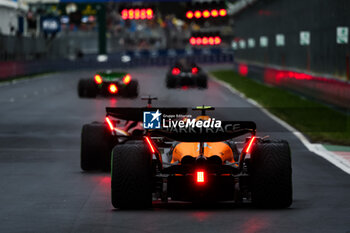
(316, 148)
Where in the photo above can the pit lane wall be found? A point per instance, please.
(126, 59)
(296, 45)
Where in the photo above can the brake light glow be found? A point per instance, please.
(109, 122)
(250, 144)
(150, 145)
(127, 79)
(175, 71)
(113, 89)
(200, 177)
(194, 70)
(98, 79)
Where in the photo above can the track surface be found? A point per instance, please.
(42, 188)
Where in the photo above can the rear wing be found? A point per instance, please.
(189, 133)
(228, 130)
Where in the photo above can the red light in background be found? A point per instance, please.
(137, 13)
(250, 144)
(98, 79)
(175, 71)
(189, 14)
(143, 13)
(211, 40)
(217, 40)
(222, 12)
(113, 89)
(192, 41)
(205, 41)
(127, 79)
(197, 14)
(131, 14)
(243, 69)
(194, 70)
(206, 14)
(125, 14)
(200, 177)
(109, 122)
(214, 13)
(149, 13)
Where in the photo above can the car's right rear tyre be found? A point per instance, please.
(87, 88)
(95, 147)
(271, 174)
(202, 82)
(131, 176)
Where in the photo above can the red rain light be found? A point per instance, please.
(214, 13)
(98, 79)
(250, 144)
(109, 122)
(206, 14)
(194, 70)
(150, 145)
(127, 79)
(113, 89)
(200, 177)
(222, 12)
(189, 14)
(197, 14)
(175, 71)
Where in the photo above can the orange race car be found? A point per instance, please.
(180, 159)
(162, 153)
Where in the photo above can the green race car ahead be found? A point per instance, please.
(108, 84)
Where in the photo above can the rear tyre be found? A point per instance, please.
(131, 176)
(170, 82)
(132, 89)
(202, 82)
(271, 174)
(87, 88)
(95, 147)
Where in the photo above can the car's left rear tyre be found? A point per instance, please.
(132, 89)
(131, 176)
(95, 151)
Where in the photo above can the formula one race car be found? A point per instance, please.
(108, 84)
(185, 161)
(186, 73)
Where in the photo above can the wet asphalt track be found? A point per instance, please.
(42, 188)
